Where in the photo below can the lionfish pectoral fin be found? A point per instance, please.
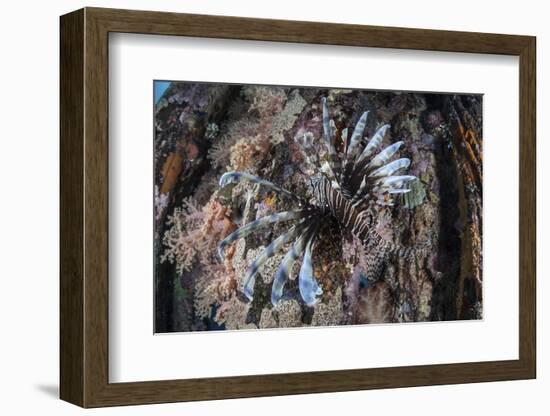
(309, 288)
(385, 155)
(246, 229)
(267, 253)
(373, 143)
(345, 139)
(329, 129)
(357, 136)
(399, 191)
(390, 168)
(285, 268)
(353, 148)
(396, 182)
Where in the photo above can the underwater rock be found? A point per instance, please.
(330, 313)
(267, 320)
(288, 313)
(286, 119)
(232, 314)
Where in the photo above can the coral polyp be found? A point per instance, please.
(346, 189)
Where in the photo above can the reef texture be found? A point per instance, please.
(205, 130)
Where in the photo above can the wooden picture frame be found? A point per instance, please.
(84, 207)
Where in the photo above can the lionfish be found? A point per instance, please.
(346, 186)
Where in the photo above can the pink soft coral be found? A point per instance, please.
(183, 240)
(193, 238)
(248, 153)
(194, 233)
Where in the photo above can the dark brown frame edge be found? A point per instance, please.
(84, 209)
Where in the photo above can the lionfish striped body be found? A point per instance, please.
(346, 187)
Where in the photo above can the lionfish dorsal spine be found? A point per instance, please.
(385, 155)
(328, 132)
(354, 145)
(390, 168)
(373, 143)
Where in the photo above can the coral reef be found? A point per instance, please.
(203, 131)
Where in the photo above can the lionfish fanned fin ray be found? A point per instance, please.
(309, 288)
(326, 121)
(358, 196)
(333, 129)
(389, 184)
(246, 229)
(399, 191)
(267, 253)
(382, 169)
(385, 155)
(285, 268)
(345, 139)
(328, 132)
(229, 177)
(356, 137)
(354, 145)
(373, 143)
(390, 168)
(396, 182)
(325, 168)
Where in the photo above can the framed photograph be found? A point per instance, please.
(257, 207)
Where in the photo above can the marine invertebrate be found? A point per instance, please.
(286, 118)
(248, 152)
(265, 100)
(194, 232)
(375, 304)
(183, 240)
(346, 189)
(212, 130)
(161, 202)
(220, 151)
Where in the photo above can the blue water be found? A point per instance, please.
(159, 88)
